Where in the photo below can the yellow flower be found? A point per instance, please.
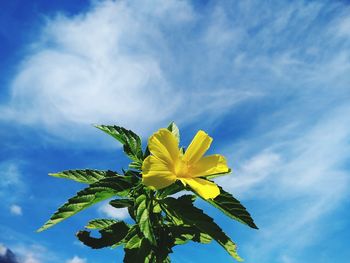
(167, 163)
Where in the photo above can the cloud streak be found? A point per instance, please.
(117, 213)
(16, 210)
(115, 64)
(300, 176)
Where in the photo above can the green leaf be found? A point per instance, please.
(136, 165)
(132, 173)
(121, 203)
(134, 241)
(142, 253)
(203, 238)
(131, 141)
(233, 208)
(133, 230)
(182, 234)
(143, 219)
(96, 192)
(187, 198)
(171, 189)
(110, 236)
(86, 176)
(157, 209)
(100, 223)
(190, 215)
(175, 130)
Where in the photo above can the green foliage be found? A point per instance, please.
(100, 223)
(181, 234)
(141, 252)
(96, 192)
(160, 221)
(233, 208)
(143, 217)
(131, 143)
(175, 130)
(120, 203)
(181, 211)
(86, 176)
(110, 235)
(171, 189)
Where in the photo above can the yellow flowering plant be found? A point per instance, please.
(161, 220)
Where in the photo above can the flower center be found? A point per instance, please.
(181, 168)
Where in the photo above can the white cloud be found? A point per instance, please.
(343, 27)
(10, 175)
(76, 259)
(114, 64)
(31, 258)
(11, 185)
(251, 173)
(16, 210)
(3, 250)
(297, 177)
(124, 63)
(30, 252)
(110, 211)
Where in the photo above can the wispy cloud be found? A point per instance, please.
(11, 185)
(9, 175)
(115, 64)
(27, 248)
(33, 253)
(76, 259)
(299, 175)
(16, 210)
(3, 250)
(108, 210)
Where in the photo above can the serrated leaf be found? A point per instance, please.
(174, 130)
(96, 192)
(190, 215)
(86, 176)
(133, 230)
(182, 234)
(132, 173)
(157, 209)
(187, 198)
(110, 236)
(204, 238)
(131, 141)
(100, 223)
(136, 165)
(171, 189)
(143, 217)
(232, 207)
(121, 203)
(134, 241)
(142, 253)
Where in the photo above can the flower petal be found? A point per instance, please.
(204, 188)
(198, 147)
(208, 165)
(164, 145)
(156, 173)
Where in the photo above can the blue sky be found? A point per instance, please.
(269, 80)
